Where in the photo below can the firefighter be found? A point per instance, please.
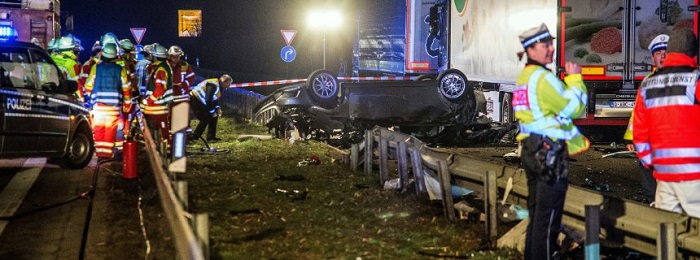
(110, 87)
(546, 107)
(658, 55)
(667, 126)
(159, 93)
(126, 60)
(142, 69)
(183, 77)
(87, 67)
(206, 105)
(67, 61)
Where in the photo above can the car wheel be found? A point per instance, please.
(452, 85)
(506, 109)
(322, 86)
(79, 150)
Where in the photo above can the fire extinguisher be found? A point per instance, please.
(130, 159)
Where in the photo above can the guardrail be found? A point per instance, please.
(187, 244)
(630, 224)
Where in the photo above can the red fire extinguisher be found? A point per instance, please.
(131, 148)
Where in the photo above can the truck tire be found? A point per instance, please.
(80, 149)
(452, 85)
(507, 109)
(322, 86)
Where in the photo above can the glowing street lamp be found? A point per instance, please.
(324, 20)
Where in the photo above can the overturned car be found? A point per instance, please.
(443, 110)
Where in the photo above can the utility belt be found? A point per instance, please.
(551, 157)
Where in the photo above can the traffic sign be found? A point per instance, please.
(288, 35)
(288, 53)
(138, 34)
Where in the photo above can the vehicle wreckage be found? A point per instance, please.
(321, 109)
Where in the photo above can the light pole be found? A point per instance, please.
(324, 19)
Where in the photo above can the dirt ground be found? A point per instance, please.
(265, 200)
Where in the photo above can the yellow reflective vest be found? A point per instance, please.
(545, 105)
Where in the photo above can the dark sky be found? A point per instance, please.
(238, 36)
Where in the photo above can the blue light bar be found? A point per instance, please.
(7, 32)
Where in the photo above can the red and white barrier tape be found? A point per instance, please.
(290, 81)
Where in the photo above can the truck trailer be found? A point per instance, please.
(478, 39)
(36, 21)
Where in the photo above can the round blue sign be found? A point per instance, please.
(288, 53)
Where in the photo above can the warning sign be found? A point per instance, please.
(138, 34)
(288, 35)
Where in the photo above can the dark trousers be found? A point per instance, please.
(545, 200)
(648, 183)
(205, 120)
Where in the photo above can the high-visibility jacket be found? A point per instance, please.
(109, 87)
(182, 73)
(86, 69)
(130, 66)
(630, 128)
(545, 105)
(159, 92)
(208, 93)
(68, 63)
(667, 120)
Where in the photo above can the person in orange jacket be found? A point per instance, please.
(159, 94)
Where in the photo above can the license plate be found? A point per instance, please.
(621, 104)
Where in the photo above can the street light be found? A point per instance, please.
(324, 20)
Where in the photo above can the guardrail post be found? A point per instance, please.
(448, 206)
(491, 207)
(369, 152)
(354, 156)
(181, 189)
(417, 164)
(402, 158)
(383, 160)
(592, 250)
(201, 226)
(666, 243)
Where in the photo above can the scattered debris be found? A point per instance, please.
(392, 184)
(311, 160)
(293, 194)
(291, 177)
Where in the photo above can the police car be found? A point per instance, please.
(40, 114)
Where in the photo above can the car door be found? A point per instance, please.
(54, 107)
(21, 127)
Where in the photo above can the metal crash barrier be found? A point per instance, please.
(624, 222)
(187, 244)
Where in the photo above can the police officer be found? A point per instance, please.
(658, 55)
(206, 107)
(546, 107)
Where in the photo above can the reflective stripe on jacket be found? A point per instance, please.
(160, 90)
(545, 105)
(182, 72)
(667, 120)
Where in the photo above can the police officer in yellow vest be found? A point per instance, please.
(658, 55)
(545, 108)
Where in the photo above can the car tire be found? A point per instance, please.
(452, 85)
(507, 109)
(79, 150)
(322, 86)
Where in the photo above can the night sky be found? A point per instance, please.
(241, 37)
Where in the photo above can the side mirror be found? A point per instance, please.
(49, 87)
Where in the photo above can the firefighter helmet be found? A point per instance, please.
(107, 38)
(175, 50)
(78, 45)
(66, 43)
(159, 51)
(109, 50)
(96, 46)
(126, 45)
(52, 44)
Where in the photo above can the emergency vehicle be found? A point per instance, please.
(40, 116)
(473, 44)
(35, 21)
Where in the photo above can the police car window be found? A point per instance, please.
(46, 72)
(16, 69)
